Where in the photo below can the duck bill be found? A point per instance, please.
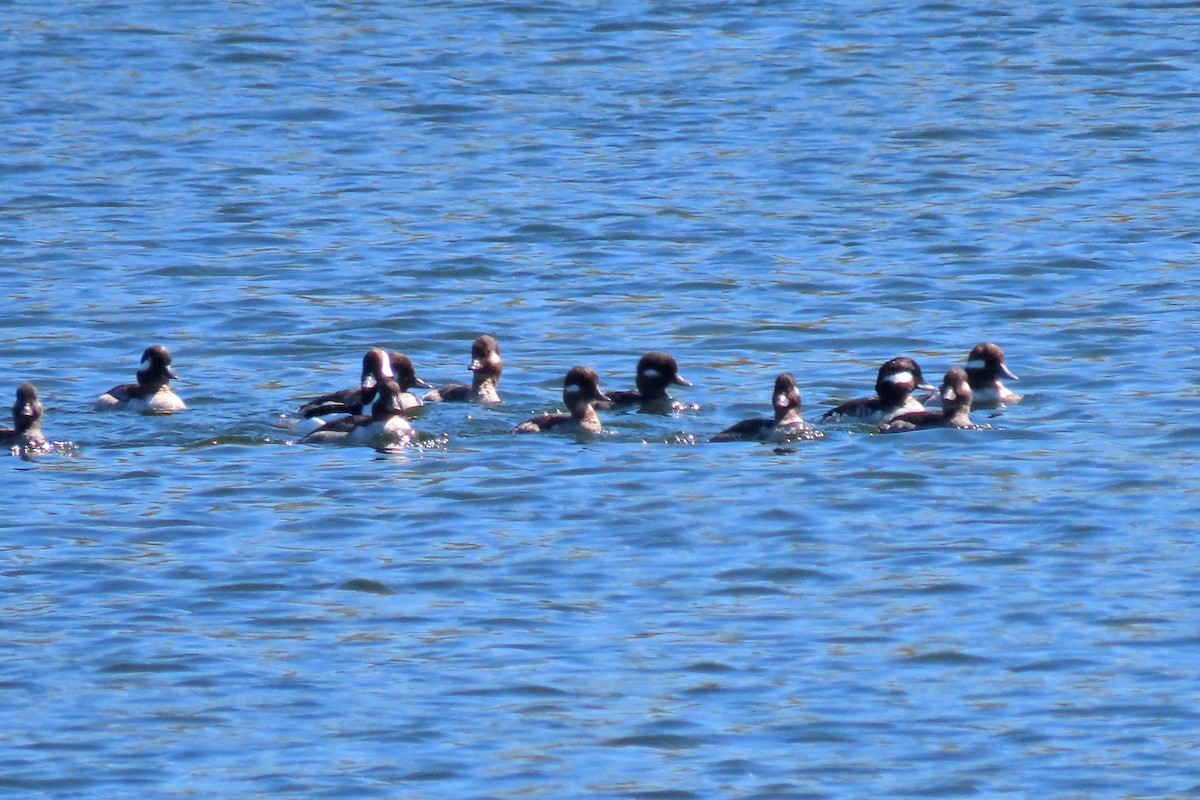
(682, 381)
(420, 383)
(602, 397)
(927, 387)
(1006, 372)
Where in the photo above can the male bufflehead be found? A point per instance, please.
(152, 392)
(27, 421)
(486, 365)
(955, 394)
(377, 366)
(581, 388)
(897, 380)
(385, 426)
(655, 372)
(787, 424)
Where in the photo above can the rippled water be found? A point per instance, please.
(196, 605)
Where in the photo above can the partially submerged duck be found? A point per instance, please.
(377, 366)
(787, 423)
(955, 394)
(26, 432)
(898, 378)
(486, 366)
(581, 390)
(385, 426)
(655, 372)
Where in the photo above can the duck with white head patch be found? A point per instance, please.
(787, 424)
(894, 385)
(655, 372)
(581, 390)
(385, 426)
(377, 366)
(27, 421)
(486, 366)
(152, 393)
(985, 366)
(955, 394)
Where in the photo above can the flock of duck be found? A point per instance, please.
(374, 412)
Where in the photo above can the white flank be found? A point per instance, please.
(898, 377)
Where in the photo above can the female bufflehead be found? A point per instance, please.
(984, 366)
(27, 421)
(377, 366)
(786, 425)
(152, 392)
(956, 408)
(486, 365)
(385, 426)
(897, 380)
(581, 388)
(655, 372)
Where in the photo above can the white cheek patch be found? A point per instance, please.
(651, 373)
(572, 388)
(898, 377)
(782, 400)
(369, 383)
(145, 365)
(975, 363)
(387, 368)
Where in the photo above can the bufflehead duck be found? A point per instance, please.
(655, 372)
(897, 380)
(27, 421)
(385, 426)
(486, 365)
(787, 423)
(985, 364)
(581, 388)
(956, 408)
(377, 366)
(152, 392)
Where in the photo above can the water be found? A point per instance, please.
(197, 605)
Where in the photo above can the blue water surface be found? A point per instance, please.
(198, 605)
